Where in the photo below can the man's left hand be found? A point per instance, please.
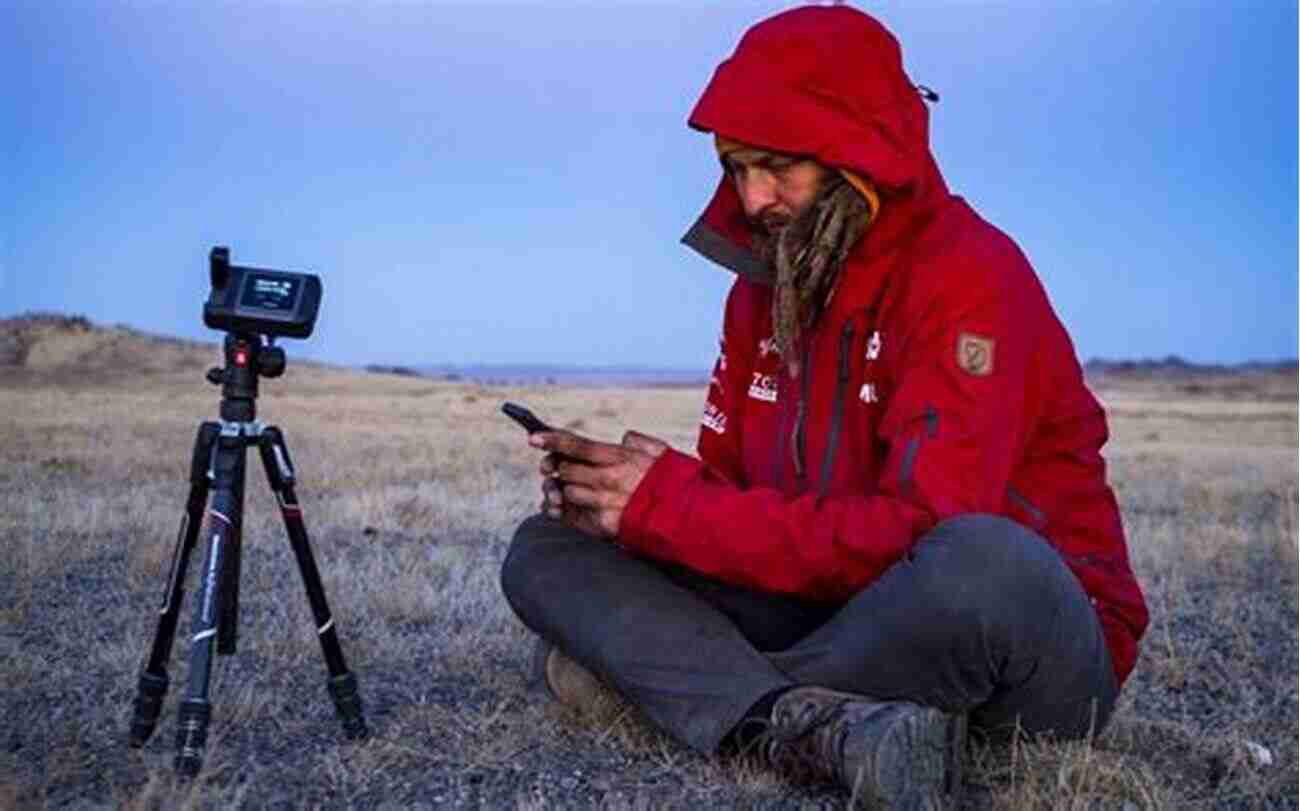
(599, 477)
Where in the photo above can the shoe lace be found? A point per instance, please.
(797, 746)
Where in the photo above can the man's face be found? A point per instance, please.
(774, 188)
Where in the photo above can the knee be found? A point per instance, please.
(527, 548)
(990, 545)
(979, 528)
(976, 556)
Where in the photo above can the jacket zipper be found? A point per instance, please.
(778, 449)
(797, 446)
(837, 409)
(1037, 515)
(914, 445)
(1110, 563)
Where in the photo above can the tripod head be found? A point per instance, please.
(247, 359)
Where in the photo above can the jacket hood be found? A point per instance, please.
(827, 83)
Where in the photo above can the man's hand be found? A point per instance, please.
(589, 487)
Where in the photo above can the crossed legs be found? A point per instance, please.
(981, 617)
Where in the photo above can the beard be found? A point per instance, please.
(806, 252)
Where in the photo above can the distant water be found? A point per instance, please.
(583, 376)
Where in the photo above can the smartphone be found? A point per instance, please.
(532, 425)
(526, 418)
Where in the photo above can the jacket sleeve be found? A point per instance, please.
(719, 441)
(954, 427)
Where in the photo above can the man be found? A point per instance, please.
(899, 519)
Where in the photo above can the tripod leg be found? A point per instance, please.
(228, 626)
(223, 517)
(342, 683)
(153, 678)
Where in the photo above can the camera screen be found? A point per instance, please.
(263, 291)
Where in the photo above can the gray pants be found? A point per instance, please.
(981, 616)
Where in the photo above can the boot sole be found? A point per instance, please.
(919, 767)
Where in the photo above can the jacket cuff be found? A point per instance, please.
(658, 505)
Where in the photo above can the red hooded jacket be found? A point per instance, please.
(938, 381)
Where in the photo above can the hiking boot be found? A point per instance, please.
(567, 681)
(888, 754)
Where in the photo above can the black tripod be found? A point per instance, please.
(218, 466)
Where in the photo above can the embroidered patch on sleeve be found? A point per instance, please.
(975, 354)
(715, 419)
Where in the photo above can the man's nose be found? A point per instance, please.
(757, 191)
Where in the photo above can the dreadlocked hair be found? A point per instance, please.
(807, 255)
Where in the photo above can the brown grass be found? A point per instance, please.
(412, 489)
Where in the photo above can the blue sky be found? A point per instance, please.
(497, 183)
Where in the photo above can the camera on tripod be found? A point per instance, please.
(253, 306)
(256, 301)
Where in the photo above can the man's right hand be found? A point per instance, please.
(553, 503)
(597, 479)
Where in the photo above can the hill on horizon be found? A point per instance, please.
(71, 347)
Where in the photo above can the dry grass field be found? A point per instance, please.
(411, 489)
